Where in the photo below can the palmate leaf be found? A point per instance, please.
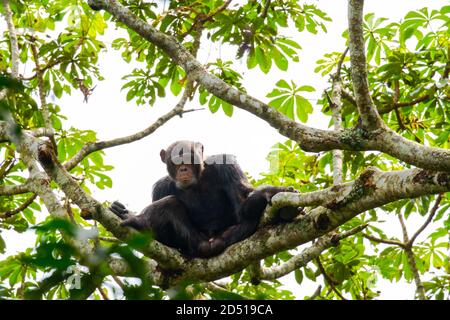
(287, 100)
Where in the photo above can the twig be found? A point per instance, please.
(266, 9)
(23, 206)
(341, 62)
(331, 282)
(7, 164)
(348, 96)
(200, 19)
(306, 255)
(109, 239)
(385, 241)
(102, 293)
(119, 282)
(336, 107)
(396, 98)
(404, 230)
(90, 147)
(427, 222)
(45, 113)
(50, 65)
(316, 293)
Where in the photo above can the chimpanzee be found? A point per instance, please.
(203, 205)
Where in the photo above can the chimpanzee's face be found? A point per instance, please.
(184, 160)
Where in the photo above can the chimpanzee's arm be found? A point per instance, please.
(224, 169)
(168, 220)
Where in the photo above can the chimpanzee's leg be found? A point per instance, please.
(249, 215)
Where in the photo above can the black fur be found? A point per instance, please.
(204, 219)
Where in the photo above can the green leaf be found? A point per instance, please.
(227, 108)
(14, 275)
(303, 107)
(298, 276)
(264, 61)
(283, 84)
(2, 245)
(280, 60)
(278, 102)
(214, 104)
(131, 94)
(251, 60)
(310, 274)
(306, 88)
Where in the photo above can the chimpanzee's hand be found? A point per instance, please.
(119, 209)
(211, 248)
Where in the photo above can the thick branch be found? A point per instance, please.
(371, 190)
(166, 256)
(390, 142)
(367, 110)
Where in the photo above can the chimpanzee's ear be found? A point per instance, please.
(162, 154)
(199, 146)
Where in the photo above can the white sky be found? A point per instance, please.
(138, 166)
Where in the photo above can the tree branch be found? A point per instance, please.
(13, 39)
(41, 89)
(427, 222)
(50, 65)
(385, 241)
(14, 45)
(336, 108)
(309, 139)
(412, 260)
(166, 256)
(307, 254)
(23, 206)
(370, 118)
(389, 107)
(371, 190)
(10, 190)
(331, 282)
(90, 147)
(316, 293)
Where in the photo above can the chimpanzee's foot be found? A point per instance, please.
(289, 213)
(269, 192)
